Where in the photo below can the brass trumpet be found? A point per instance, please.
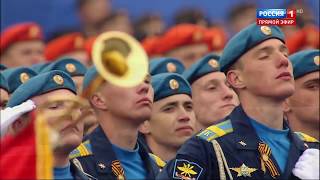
(120, 59)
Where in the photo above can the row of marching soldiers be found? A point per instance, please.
(248, 110)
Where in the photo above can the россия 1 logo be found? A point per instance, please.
(278, 17)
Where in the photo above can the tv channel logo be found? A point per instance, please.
(276, 16)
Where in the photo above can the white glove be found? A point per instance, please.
(9, 115)
(307, 166)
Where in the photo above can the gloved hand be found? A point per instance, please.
(307, 166)
(9, 115)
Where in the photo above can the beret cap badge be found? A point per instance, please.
(213, 63)
(24, 77)
(78, 42)
(71, 67)
(34, 31)
(171, 67)
(316, 60)
(58, 79)
(266, 30)
(173, 84)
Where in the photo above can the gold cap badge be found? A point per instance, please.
(78, 42)
(197, 36)
(213, 63)
(34, 31)
(173, 84)
(216, 41)
(171, 67)
(71, 67)
(24, 77)
(266, 30)
(58, 79)
(316, 60)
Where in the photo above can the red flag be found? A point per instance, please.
(28, 155)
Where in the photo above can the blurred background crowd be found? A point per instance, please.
(61, 22)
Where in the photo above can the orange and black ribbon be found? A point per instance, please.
(117, 169)
(265, 152)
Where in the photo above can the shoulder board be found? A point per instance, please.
(84, 149)
(306, 138)
(160, 163)
(215, 131)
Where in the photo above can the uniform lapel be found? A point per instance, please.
(296, 149)
(103, 153)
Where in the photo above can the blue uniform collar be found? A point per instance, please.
(244, 131)
(104, 154)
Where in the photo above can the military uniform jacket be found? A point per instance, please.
(96, 158)
(197, 159)
(76, 172)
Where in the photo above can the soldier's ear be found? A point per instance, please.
(144, 128)
(286, 106)
(98, 101)
(235, 79)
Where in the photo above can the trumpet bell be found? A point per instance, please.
(120, 59)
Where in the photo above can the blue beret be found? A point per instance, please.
(168, 84)
(206, 65)
(90, 75)
(164, 65)
(41, 84)
(38, 67)
(304, 62)
(2, 67)
(246, 39)
(17, 76)
(3, 83)
(68, 65)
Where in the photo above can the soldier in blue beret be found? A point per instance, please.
(39, 89)
(2, 67)
(4, 91)
(302, 108)
(213, 99)
(112, 150)
(254, 141)
(172, 119)
(71, 66)
(17, 76)
(165, 65)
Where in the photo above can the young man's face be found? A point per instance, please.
(304, 103)
(266, 70)
(189, 54)
(70, 133)
(213, 98)
(24, 53)
(133, 104)
(4, 98)
(172, 120)
(94, 11)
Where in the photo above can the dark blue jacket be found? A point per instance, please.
(98, 160)
(239, 143)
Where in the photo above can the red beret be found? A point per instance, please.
(216, 38)
(150, 45)
(64, 44)
(180, 35)
(20, 32)
(307, 37)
